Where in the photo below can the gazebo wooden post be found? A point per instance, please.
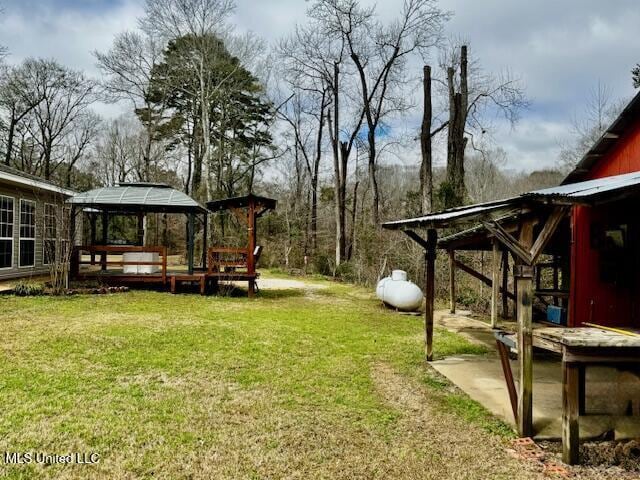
(190, 236)
(495, 283)
(105, 236)
(74, 264)
(140, 239)
(93, 217)
(251, 261)
(452, 281)
(429, 289)
(205, 236)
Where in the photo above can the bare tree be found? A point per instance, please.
(475, 99)
(589, 125)
(128, 67)
(19, 96)
(66, 96)
(379, 52)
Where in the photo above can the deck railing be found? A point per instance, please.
(220, 259)
(105, 250)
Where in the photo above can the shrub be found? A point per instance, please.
(28, 289)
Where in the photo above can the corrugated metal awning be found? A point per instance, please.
(600, 190)
(457, 216)
(590, 192)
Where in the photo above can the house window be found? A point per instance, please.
(27, 255)
(6, 232)
(50, 234)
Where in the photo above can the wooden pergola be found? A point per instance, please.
(239, 263)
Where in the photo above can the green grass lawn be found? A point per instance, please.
(308, 383)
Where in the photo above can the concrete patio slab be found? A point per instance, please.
(612, 394)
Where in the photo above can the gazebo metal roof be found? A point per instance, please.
(138, 197)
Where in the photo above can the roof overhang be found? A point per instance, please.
(263, 204)
(606, 141)
(467, 215)
(590, 192)
(21, 181)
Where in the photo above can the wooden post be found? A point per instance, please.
(74, 267)
(570, 426)
(204, 241)
(92, 232)
(251, 238)
(190, 235)
(524, 298)
(452, 281)
(140, 229)
(495, 283)
(429, 289)
(105, 238)
(505, 284)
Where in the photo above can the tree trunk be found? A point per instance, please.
(426, 176)
(10, 134)
(372, 177)
(456, 141)
(337, 173)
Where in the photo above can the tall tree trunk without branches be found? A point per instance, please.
(426, 176)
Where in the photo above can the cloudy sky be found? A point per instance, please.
(561, 49)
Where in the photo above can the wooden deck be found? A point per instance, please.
(102, 263)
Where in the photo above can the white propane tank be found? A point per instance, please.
(398, 292)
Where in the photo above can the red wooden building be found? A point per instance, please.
(598, 295)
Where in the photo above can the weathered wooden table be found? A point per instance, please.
(578, 347)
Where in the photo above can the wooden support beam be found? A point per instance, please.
(570, 406)
(429, 290)
(495, 283)
(452, 281)
(508, 241)
(417, 238)
(503, 352)
(549, 228)
(474, 273)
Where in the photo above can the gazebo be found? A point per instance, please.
(137, 262)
